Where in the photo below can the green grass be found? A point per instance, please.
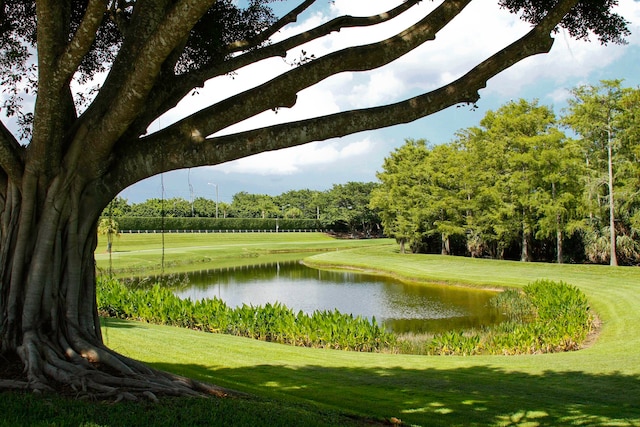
(142, 253)
(599, 385)
(30, 410)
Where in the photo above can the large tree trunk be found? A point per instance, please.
(48, 302)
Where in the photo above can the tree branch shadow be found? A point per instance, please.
(478, 395)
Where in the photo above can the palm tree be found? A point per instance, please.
(108, 227)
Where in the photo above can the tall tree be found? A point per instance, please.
(398, 197)
(630, 173)
(245, 205)
(348, 204)
(523, 134)
(480, 169)
(419, 197)
(504, 146)
(79, 152)
(304, 200)
(445, 167)
(596, 113)
(558, 203)
(521, 180)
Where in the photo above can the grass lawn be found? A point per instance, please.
(599, 385)
(142, 253)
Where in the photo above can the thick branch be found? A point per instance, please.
(54, 107)
(281, 48)
(169, 34)
(170, 90)
(463, 90)
(180, 152)
(110, 120)
(282, 90)
(287, 19)
(82, 40)
(11, 155)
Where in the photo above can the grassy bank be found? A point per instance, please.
(137, 254)
(599, 385)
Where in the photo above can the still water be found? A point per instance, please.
(401, 307)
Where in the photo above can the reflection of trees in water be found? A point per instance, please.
(401, 306)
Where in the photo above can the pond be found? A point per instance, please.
(400, 306)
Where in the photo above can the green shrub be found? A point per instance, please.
(515, 305)
(545, 317)
(454, 343)
(271, 322)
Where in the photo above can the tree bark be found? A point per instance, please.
(445, 248)
(613, 259)
(48, 300)
(559, 234)
(559, 238)
(525, 254)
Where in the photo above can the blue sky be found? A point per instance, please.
(477, 33)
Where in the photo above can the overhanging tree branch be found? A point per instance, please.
(242, 45)
(82, 40)
(171, 89)
(181, 152)
(281, 48)
(282, 90)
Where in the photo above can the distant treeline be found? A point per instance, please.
(131, 223)
(343, 208)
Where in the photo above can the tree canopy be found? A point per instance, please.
(102, 71)
(517, 183)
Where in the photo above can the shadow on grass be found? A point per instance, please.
(464, 396)
(116, 323)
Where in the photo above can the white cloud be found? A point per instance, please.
(366, 8)
(382, 86)
(560, 95)
(294, 160)
(478, 32)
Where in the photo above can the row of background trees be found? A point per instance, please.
(524, 184)
(344, 207)
(517, 186)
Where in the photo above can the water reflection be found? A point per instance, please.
(400, 306)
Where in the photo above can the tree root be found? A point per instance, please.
(100, 373)
(13, 385)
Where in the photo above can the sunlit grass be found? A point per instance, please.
(599, 385)
(143, 253)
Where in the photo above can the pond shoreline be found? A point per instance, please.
(399, 276)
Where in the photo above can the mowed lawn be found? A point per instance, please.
(599, 385)
(143, 253)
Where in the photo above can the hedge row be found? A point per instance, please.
(190, 223)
